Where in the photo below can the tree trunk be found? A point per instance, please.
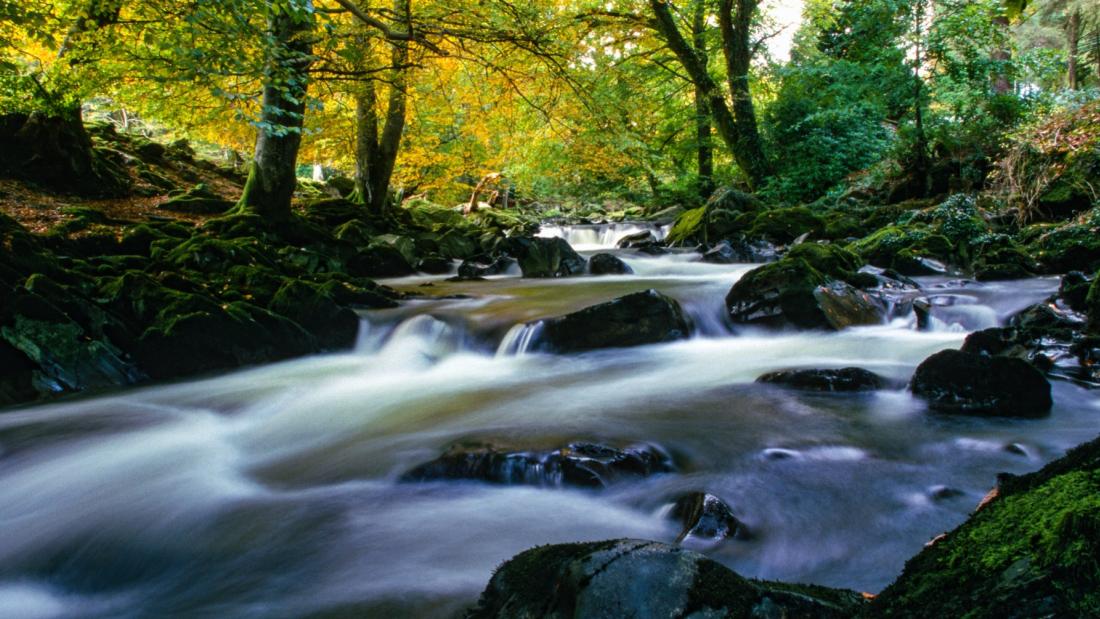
(754, 165)
(1073, 40)
(704, 149)
(272, 176)
(376, 154)
(921, 163)
(1002, 82)
(737, 48)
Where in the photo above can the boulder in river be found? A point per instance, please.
(706, 517)
(584, 465)
(608, 264)
(638, 239)
(807, 289)
(632, 578)
(637, 319)
(953, 381)
(483, 266)
(740, 251)
(545, 257)
(844, 379)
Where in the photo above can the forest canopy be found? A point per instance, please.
(643, 101)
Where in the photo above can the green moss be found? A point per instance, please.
(688, 226)
(786, 224)
(828, 259)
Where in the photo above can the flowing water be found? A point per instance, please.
(275, 492)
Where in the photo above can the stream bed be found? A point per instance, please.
(275, 491)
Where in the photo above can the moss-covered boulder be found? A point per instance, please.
(904, 249)
(198, 200)
(334, 326)
(632, 578)
(637, 319)
(1003, 261)
(1071, 246)
(783, 225)
(727, 213)
(1032, 551)
(953, 381)
(807, 289)
(545, 257)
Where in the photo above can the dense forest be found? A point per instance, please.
(363, 308)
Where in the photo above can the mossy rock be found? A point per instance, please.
(807, 289)
(334, 212)
(434, 216)
(211, 255)
(1033, 551)
(784, 225)
(632, 578)
(1073, 246)
(1003, 261)
(902, 248)
(334, 326)
(545, 257)
(198, 200)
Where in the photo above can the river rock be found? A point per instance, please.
(633, 578)
(585, 465)
(637, 319)
(953, 381)
(807, 289)
(706, 517)
(846, 379)
(741, 251)
(483, 266)
(608, 264)
(636, 240)
(545, 257)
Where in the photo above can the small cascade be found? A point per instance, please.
(519, 339)
(592, 237)
(421, 339)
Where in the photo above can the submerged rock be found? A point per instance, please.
(484, 266)
(953, 381)
(845, 379)
(545, 257)
(585, 465)
(637, 319)
(1029, 551)
(632, 578)
(608, 264)
(706, 517)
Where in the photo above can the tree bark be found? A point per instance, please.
(1073, 41)
(376, 153)
(749, 152)
(272, 176)
(1002, 82)
(705, 152)
(735, 26)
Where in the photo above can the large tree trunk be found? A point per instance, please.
(753, 163)
(376, 154)
(1073, 41)
(272, 176)
(1002, 82)
(705, 152)
(737, 47)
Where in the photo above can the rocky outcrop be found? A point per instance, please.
(953, 381)
(840, 380)
(631, 578)
(637, 319)
(583, 465)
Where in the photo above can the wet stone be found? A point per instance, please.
(706, 517)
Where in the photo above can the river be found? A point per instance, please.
(275, 492)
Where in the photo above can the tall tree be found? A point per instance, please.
(704, 150)
(272, 176)
(735, 117)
